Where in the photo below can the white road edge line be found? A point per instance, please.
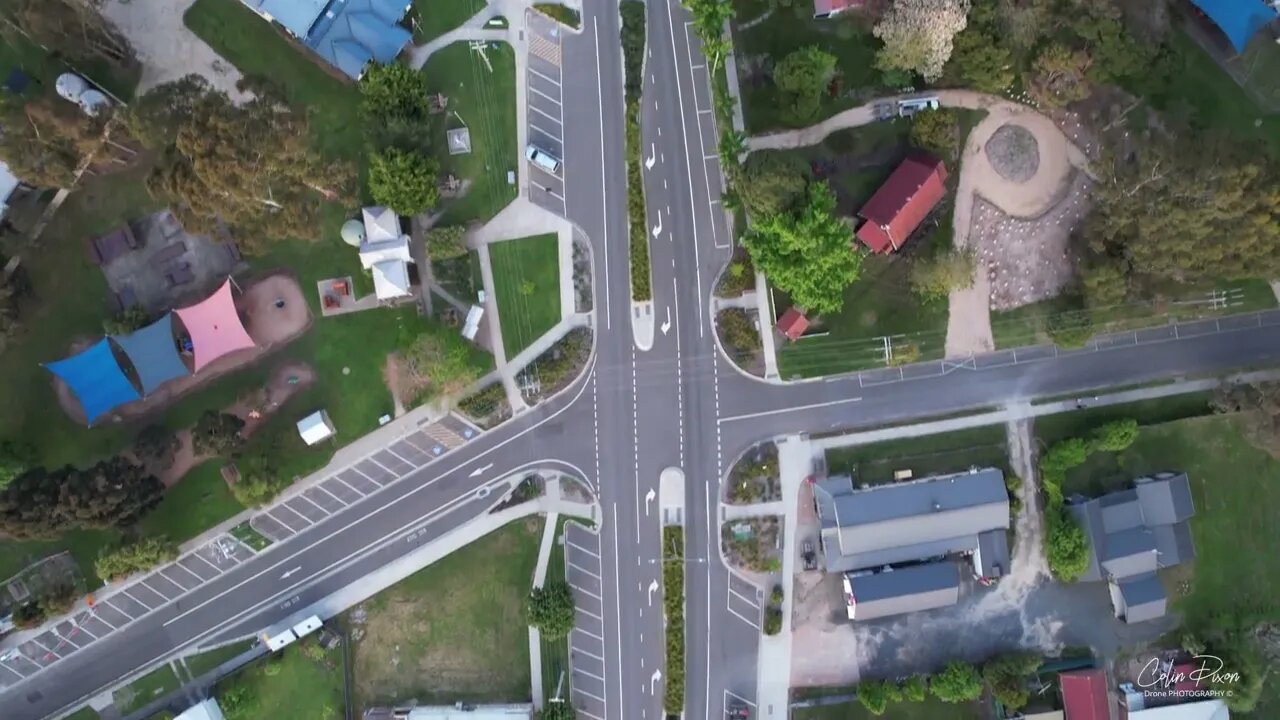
(688, 161)
(604, 204)
(798, 408)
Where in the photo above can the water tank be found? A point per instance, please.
(92, 102)
(70, 86)
(353, 233)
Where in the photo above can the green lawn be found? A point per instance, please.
(256, 47)
(484, 100)
(454, 631)
(555, 653)
(84, 713)
(145, 689)
(1026, 325)
(786, 30)
(245, 533)
(1235, 488)
(928, 455)
(18, 52)
(82, 544)
(433, 18)
(526, 278)
(930, 709)
(196, 503)
(206, 661)
(1190, 85)
(290, 679)
(1078, 423)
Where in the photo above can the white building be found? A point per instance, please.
(385, 252)
(206, 710)
(316, 427)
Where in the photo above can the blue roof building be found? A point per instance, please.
(348, 34)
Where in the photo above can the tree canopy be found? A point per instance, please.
(935, 276)
(769, 183)
(1259, 407)
(917, 35)
(46, 140)
(444, 243)
(42, 503)
(1060, 75)
(978, 59)
(118, 562)
(404, 181)
(551, 610)
(808, 253)
(803, 76)
(74, 29)
(217, 433)
(957, 682)
(936, 131)
(249, 167)
(1008, 677)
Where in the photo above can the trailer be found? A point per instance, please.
(280, 637)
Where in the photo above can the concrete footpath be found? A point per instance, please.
(539, 577)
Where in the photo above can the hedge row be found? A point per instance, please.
(560, 13)
(633, 38)
(673, 605)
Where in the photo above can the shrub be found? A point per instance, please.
(1116, 435)
(1066, 546)
(934, 277)
(557, 711)
(128, 320)
(217, 433)
(738, 333)
(403, 180)
(772, 620)
(1070, 329)
(155, 446)
(560, 13)
(873, 696)
(913, 688)
(1064, 455)
(484, 402)
(673, 607)
(935, 131)
(15, 459)
(958, 682)
(633, 39)
(116, 563)
(28, 615)
(776, 597)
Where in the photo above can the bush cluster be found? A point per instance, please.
(562, 14)
(738, 333)
(633, 40)
(118, 562)
(673, 606)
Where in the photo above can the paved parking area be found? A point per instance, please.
(586, 641)
(744, 601)
(277, 523)
(544, 95)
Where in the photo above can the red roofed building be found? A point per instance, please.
(902, 203)
(793, 323)
(1084, 695)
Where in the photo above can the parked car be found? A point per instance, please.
(911, 106)
(737, 710)
(884, 111)
(810, 557)
(542, 158)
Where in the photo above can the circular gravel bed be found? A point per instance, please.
(1014, 153)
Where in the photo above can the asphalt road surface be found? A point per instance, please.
(631, 414)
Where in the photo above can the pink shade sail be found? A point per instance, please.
(214, 326)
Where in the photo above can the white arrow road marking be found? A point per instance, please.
(290, 572)
(477, 471)
(657, 229)
(648, 497)
(653, 157)
(653, 682)
(667, 325)
(653, 585)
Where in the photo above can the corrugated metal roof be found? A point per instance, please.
(912, 589)
(1084, 694)
(1144, 598)
(903, 202)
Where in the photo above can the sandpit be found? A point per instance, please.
(1013, 153)
(274, 313)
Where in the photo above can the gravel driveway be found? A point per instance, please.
(167, 50)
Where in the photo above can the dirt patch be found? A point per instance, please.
(391, 376)
(274, 313)
(1013, 153)
(1029, 260)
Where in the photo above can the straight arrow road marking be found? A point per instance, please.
(290, 572)
(477, 471)
(666, 326)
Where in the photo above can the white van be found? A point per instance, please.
(542, 159)
(909, 107)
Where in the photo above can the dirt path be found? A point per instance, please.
(969, 327)
(391, 376)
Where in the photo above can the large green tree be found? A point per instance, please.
(1060, 75)
(769, 183)
(1188, 210)
(979, 59)
(918, 34)
(551, 610)
(803, 76)
(808, 252)
(42, 503)
(73, 29)
(1009, 677)
(217, 433)
(248, 167)
(957, 682)
(404, 181)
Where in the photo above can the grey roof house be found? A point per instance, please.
(872, 527)
(904, 590)
(1132, 534)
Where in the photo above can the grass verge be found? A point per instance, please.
(304, 678)
(526, 278)
(245, 533)
(673, 606)
(482, 96)
(1078, 423)
(930, 709)
(926, 455)
(145, 689)
(633, 44)
(433, 19)
(555, 653)
(456, 630)
(210, 660)
(198, 502)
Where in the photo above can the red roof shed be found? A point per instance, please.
(829, 8)
(1084, 695)
(902, 203)
(793, 323)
